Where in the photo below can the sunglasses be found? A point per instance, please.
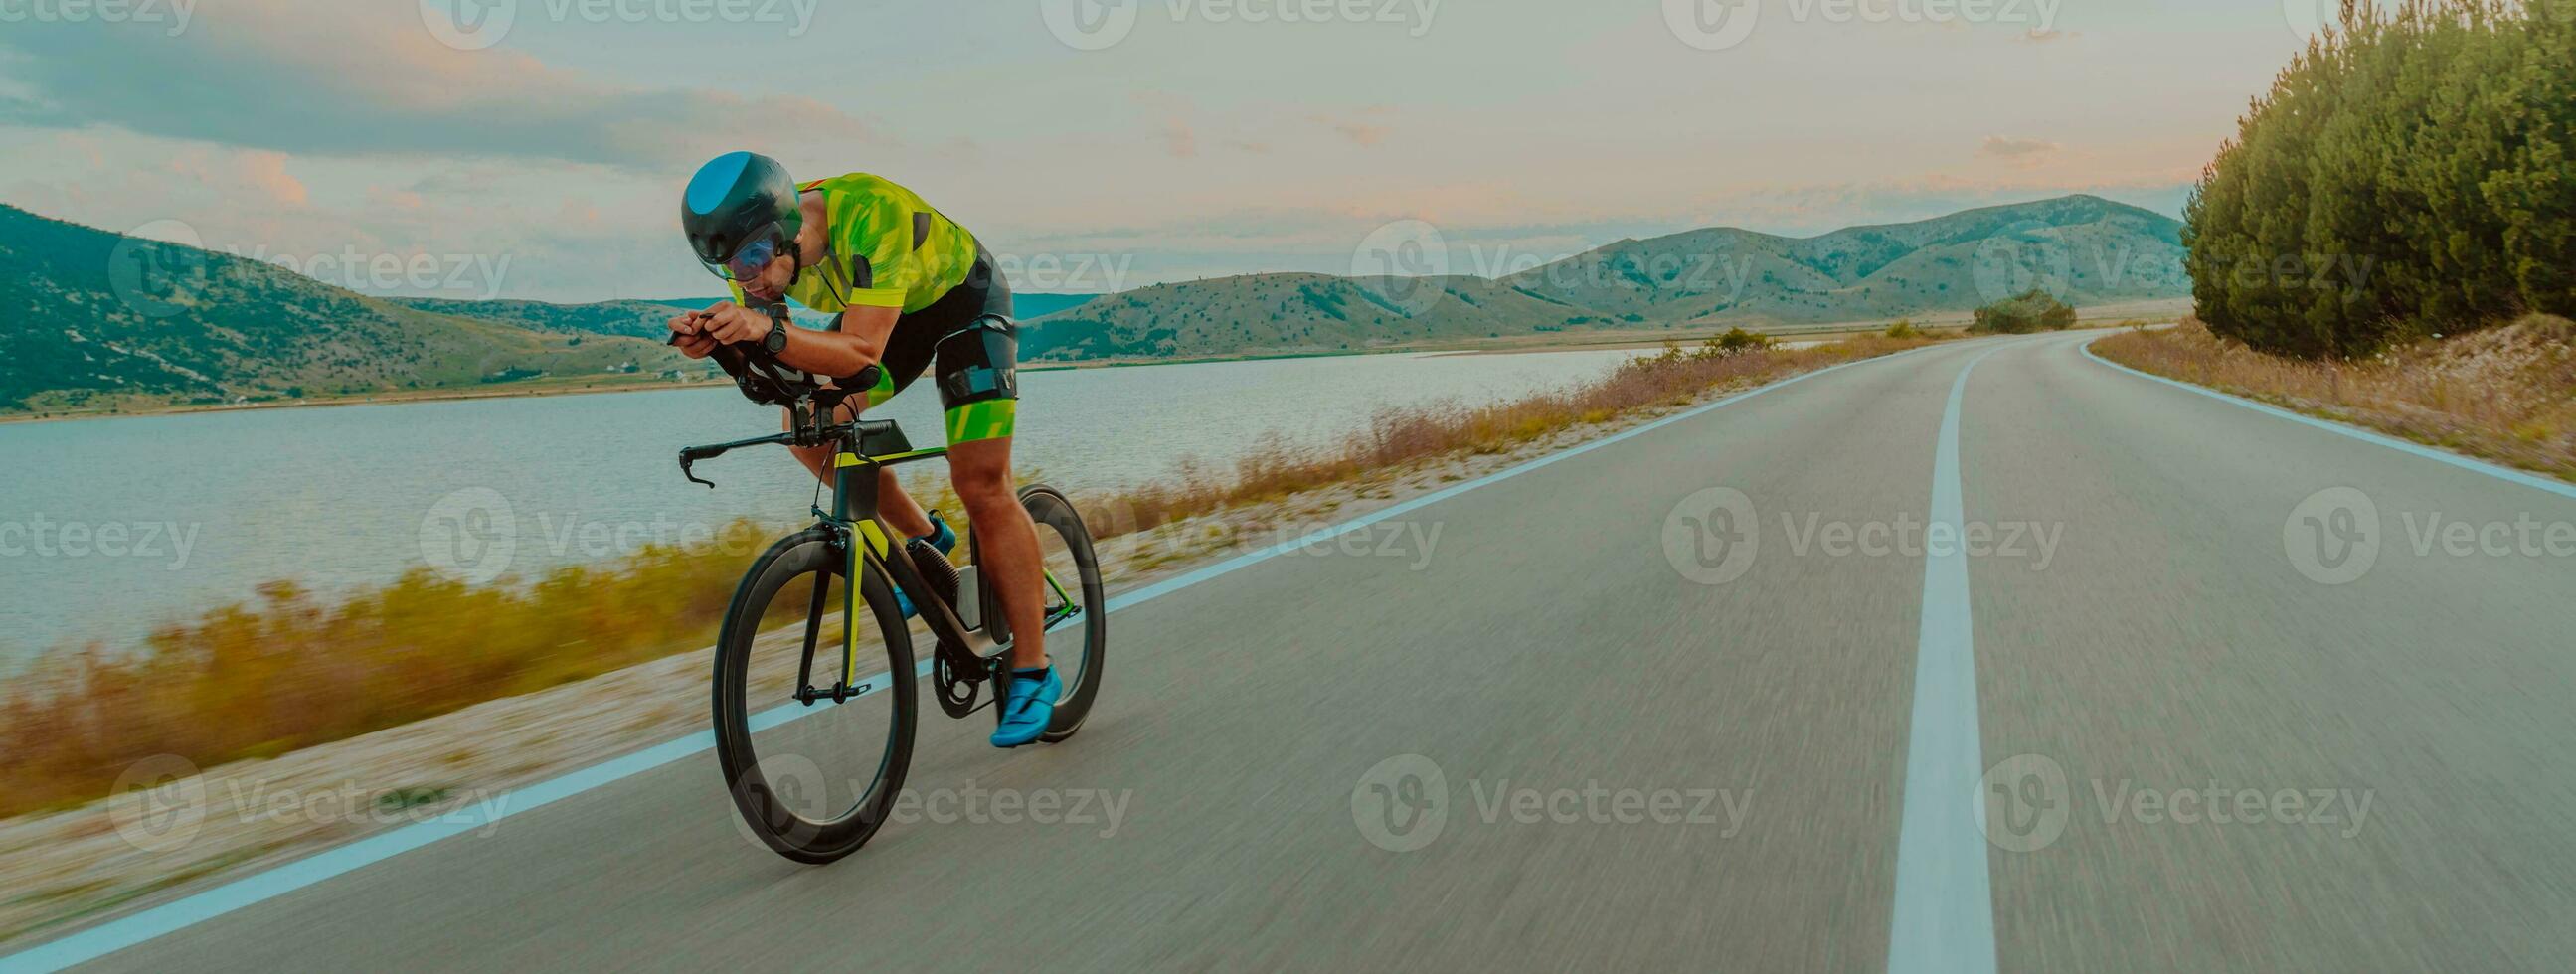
(748, 260)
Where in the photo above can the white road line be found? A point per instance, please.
(1945, 912)
(2507, 474)
(118, 934)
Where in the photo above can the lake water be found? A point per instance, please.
(111, 526)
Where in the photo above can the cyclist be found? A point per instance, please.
(908, 290)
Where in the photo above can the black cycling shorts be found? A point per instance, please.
(969, 336)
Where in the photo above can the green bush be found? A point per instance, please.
(1903, 329)
(2034, 310)
(2407, 175)
(1737, 341)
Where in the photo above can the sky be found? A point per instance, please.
(536, 148)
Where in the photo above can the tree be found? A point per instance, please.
(2407, 175)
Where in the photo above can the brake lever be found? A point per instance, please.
(685, 461)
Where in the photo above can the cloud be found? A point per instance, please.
(2020, 152)
(357, 79)
(1179, 138)
(261, 175)
(1362, 133)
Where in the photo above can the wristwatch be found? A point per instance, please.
(776, 341)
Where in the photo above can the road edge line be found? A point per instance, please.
(107, 938)
(2471, 464)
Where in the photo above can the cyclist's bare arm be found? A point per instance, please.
(860, 342)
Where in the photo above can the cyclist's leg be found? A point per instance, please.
(895, 508)
(978, 384)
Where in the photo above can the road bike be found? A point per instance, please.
(775, 724)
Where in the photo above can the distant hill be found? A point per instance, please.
(634, 319)
(1024, 305)
(94, 320)
(2087, 250)
(1028, 306)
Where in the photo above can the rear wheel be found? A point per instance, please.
(1077, 610)
(813, 781)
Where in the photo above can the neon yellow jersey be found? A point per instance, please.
(889, 249)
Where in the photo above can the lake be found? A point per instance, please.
(111, 526)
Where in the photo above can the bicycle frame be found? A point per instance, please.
(862, 450)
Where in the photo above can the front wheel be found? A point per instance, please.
(1077, 610)
(814, 777)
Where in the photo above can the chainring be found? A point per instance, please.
(955, 686)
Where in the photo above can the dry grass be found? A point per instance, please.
(1399, 437)
(258, 680)
(2505, 393)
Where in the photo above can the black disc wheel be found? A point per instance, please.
(814, 778)
(1077, 610)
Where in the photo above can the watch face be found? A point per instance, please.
(777, 340)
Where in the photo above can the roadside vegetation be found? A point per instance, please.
(2031, 311)
(2406, 176)
(2508, 393)
(293, 670)
(2390, 238)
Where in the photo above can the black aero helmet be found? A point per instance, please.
(737, 198)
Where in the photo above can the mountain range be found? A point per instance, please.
(2086, 250)
(98, 321)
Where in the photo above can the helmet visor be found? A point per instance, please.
(748, 259)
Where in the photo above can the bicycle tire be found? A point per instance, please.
(813, 552)
(1050, 509)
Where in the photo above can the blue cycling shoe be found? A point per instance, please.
(1030, 704)
(942, 537)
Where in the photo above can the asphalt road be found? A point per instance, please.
(1660, 745)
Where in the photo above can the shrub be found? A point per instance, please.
(1904, 329)
(1737, 341)
(2034, 310)
(2406, 175)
